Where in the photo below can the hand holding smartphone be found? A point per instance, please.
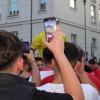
(25, 47)
(50, 27)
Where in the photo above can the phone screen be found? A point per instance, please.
(50, 27)
(25, 47)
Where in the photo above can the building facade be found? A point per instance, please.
(79, 20)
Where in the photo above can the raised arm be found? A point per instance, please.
(70, 81)
(35, 70)
(82, 75)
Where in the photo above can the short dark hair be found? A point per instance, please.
(10, 49)
(80, 54)
(92, 61)
(47, 55)
(71, 52)
(38, 59)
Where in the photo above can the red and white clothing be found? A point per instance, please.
(90, 92)
(95, 77)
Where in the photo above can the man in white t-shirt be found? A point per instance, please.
(72, 53)
(90, 92)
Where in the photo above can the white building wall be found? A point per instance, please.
(63, 11)
(74, 23)
(22, 28)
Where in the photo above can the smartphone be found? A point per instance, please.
(25, 47)
(50, 27)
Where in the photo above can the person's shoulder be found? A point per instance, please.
(54, 88)
(48, 79)
(49, 87)
(97, 70)
(41, 95)
(88, 87)
(90, 92)
(45, 87)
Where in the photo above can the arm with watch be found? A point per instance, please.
(35, 70)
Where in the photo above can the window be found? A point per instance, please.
(74, 38)
(93, 42)
(93, 46)
(99, 12)
(73, 3)
(93, 14)
(42, 4)
(0, 8)
(13, 7)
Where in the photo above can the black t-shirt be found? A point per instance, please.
(42, 95)
(13, 87)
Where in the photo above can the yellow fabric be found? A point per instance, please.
(38, 42)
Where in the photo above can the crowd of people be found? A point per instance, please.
(61, 74)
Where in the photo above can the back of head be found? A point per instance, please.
(71, 52)
(95, 58)
(80, 53)
(47, 55)
(93, 64)
(10, 49)
(92, 61)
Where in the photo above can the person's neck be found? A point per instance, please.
(57, 78)
(9, 71)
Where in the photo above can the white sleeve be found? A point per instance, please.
(44, 87)
(90, 92)
(95, 94)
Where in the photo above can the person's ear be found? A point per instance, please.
(20, 63)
